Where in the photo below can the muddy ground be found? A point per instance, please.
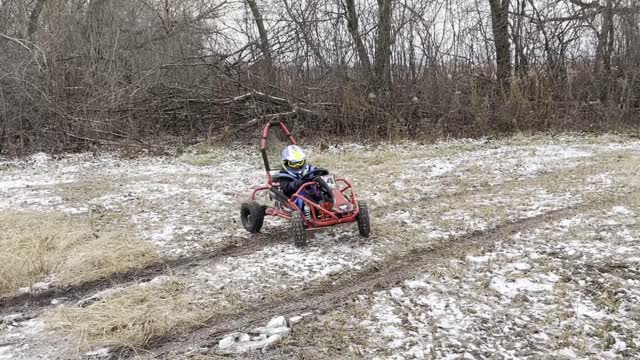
(526, 247)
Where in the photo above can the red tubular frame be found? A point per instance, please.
(263, 144)
(314, 222)
(316, 209)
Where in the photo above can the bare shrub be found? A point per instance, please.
(75, 75)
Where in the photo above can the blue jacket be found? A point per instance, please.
(291, 182)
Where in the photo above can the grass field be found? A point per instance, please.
(527, 247)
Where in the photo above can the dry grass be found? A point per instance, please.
(206, 159)
(132, 319)
(86, 190)
(34, 246)
(335, 335)
(111, 253)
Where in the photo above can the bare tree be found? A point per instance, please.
(265, 47)
(500, 26)
(382, 62)
(351, 16)
(34, 17)
(76, 73)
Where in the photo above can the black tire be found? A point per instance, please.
(363, 219)
(252, 216)
(297, 230)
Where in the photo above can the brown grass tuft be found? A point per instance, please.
(132, 319)
(34, 246)
(111, 253)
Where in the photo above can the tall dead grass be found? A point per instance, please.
(36, 246)
(132, 319)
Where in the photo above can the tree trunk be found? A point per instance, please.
(264, 40)
(382, 61)
(352, 26)
(521, 61)
(34, 17)
(500, 26)
(603, 52)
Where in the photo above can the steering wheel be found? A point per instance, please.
(317, 173)
(322, 183)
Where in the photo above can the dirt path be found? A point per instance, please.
(31, 303)
(334, 293)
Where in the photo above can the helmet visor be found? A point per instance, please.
(296, 164)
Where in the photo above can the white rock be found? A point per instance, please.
(229, 345)
(277, 322)
(263, 339)
(229, 341)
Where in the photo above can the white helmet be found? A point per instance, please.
(294, 160)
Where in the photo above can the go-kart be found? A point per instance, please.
(328, 200)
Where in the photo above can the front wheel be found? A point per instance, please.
(252, 216)
(363, 219)
(297, 230)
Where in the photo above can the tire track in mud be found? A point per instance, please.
(234, 247)
(32, 301)
(333, 293)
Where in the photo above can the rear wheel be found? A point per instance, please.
(252, 216)
(363, 219)
(297, 230)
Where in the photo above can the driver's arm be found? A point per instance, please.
(289, 187)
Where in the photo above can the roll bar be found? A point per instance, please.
(263, 142)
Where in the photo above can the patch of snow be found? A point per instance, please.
(566, 353)
(621, 210)
(478, 259)
(586, 309)
(259, 339)
(103, 353)
(542, 286)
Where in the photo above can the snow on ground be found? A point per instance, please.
(173, 204)
(568, 290)
(422, 193)
(280, 267)
(181, 207)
